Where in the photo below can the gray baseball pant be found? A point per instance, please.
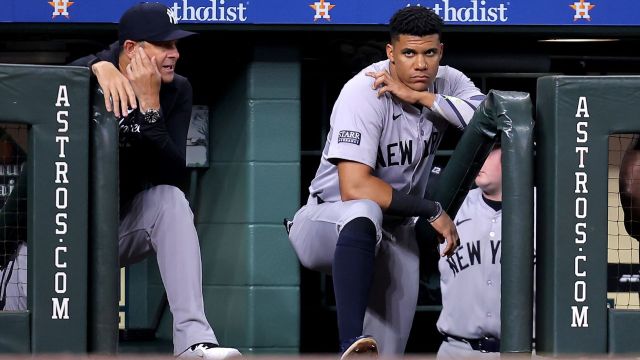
(159, 220)
(394, 292)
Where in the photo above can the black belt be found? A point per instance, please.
(485, 344)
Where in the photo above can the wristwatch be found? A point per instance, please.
(435, 216)
(151, 116)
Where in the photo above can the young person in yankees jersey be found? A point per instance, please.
(153, 105)
(470, 278)
(358, 223)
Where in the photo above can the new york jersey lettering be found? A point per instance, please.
(471, 254)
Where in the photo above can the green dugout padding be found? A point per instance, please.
(575, 116)
(623, 331)
(54, 102)
(509, 116)
(104, 275)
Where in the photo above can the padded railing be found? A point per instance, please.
(104, 220)
(509, 115)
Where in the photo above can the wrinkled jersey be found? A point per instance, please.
(397, 140)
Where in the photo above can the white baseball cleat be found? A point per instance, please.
(209, 351)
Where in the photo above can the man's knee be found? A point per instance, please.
(361, 230)
(365, 209)
(168, 193)
(359, 233)
(170, 199)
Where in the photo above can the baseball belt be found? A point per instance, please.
(485, 344)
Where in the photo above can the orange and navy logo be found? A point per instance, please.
(60, 7)
(322, 9)
(582, 10)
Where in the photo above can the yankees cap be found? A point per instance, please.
(149, 21)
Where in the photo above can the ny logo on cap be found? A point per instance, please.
(172, 16)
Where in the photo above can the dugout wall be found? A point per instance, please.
(575, 116)
(53, 101)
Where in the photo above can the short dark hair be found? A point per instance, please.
(415, 20)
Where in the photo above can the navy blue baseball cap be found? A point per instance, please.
(149, 21)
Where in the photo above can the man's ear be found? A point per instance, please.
(389, 48)
(129, 48)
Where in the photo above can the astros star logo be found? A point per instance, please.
(60, 7)
(582, 10)
(322, 10)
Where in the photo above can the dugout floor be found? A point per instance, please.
(288, 357)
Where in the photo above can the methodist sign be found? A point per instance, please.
(335, 12)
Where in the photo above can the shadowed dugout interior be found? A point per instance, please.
(623, 265)
(13, 217)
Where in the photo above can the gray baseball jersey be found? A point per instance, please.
(396, 139)
(470, 279)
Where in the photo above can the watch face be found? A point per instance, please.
(151, 116)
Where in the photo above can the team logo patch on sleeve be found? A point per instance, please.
(348, 136)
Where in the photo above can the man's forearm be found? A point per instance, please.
(426, 98)
(390, 201)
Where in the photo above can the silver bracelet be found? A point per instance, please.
(437, 214)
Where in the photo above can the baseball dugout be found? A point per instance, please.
(572, 315)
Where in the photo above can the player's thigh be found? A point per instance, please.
(140, 218)
(315, 229)
(398, 260)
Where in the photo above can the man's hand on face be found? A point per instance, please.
(145, 78)
(385, 83)
(118, 93)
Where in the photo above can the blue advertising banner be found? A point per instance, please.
(336, 12)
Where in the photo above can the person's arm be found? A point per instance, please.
(461, 100)
(630, 188)
(158, 132)
(457, 107)
(168, 136)
(118, 93)
(358, 182)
